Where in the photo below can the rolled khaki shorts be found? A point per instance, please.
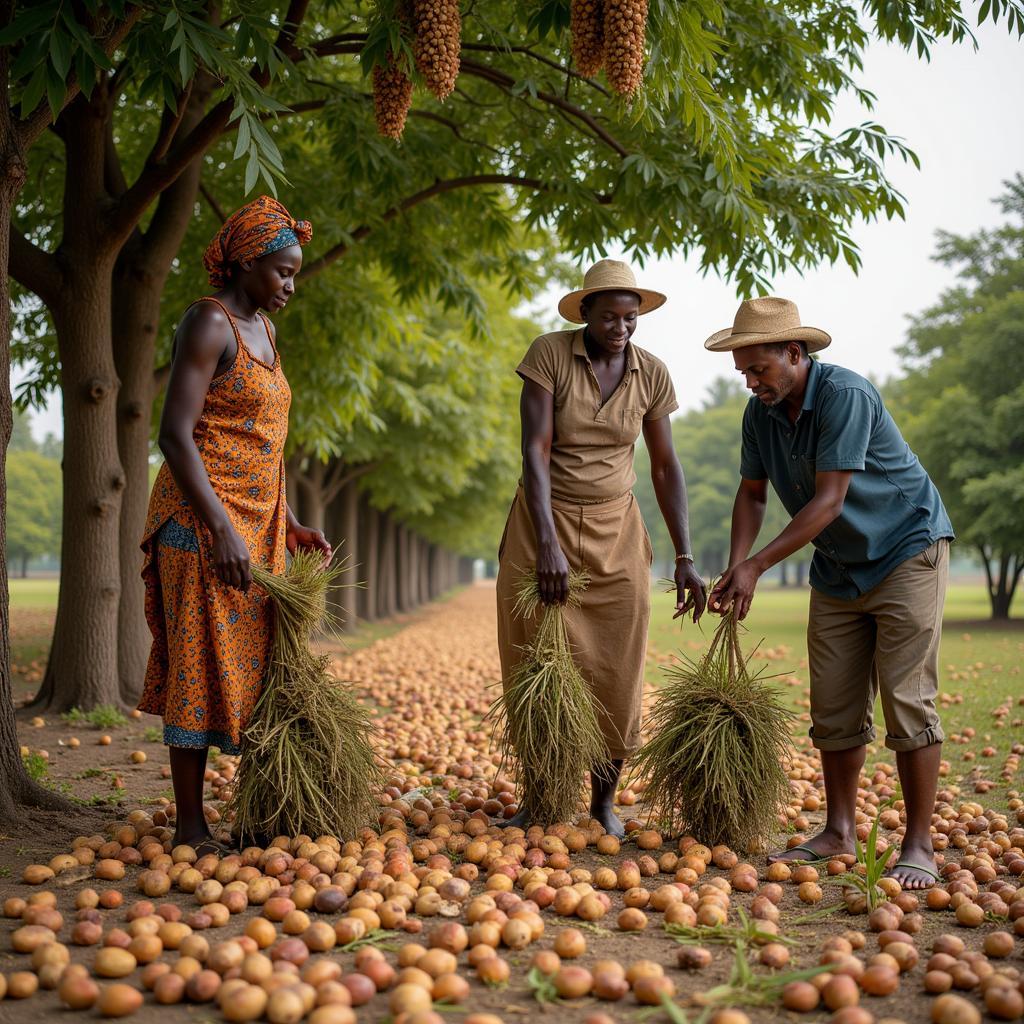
(885, 641)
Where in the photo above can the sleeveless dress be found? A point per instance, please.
(211, 642)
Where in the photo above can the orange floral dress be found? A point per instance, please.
(211, 642)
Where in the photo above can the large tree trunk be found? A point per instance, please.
(387, 603)
(83, 666)
(309, 483)
(369, 548)
(403, 573)
(344, 598)
(17, 790)
(139, 278)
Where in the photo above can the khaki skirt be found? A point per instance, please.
(608, 631)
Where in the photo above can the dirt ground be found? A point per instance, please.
(456, 638)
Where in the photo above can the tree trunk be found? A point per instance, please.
(1001, 590)
(24, 567)
(83, 667)
(387, 602)
(309, 483)
(17, 790)
(369, 547)
(139, 277)
(783, 573)
(404, 569)
(344, 597)
(424, 572)
(801, 570)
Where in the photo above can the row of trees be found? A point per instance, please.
(961, 398)
(156, 107)
(708, 443)
(33, 496)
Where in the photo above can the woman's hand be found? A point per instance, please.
(688, 579)
(735, 589)
(231, 558)
(308, 539)
(552, 574)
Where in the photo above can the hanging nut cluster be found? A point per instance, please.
(625, 25)
(392, 97)
(586, 25)
(437, 41)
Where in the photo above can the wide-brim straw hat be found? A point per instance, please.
(764, 321)
(608, 276)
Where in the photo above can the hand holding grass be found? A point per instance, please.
(691, 593)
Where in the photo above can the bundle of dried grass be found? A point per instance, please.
(720, 741)
(545, 722)
(307, 766)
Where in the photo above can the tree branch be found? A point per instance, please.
(561, 68)
(113, 173)
(169, 125)
(438, 188)
(157, 175)
(34, 268)
(506, 82)
(211, 201)
(30, 128)
(335, 484)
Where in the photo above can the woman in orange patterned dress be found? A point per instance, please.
(218, 503)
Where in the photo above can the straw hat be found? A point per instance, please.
(763, 321)
(607, 276)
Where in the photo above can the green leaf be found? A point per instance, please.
(252, 170)
(244, 138)
(33, 91)
(60, 52)
(56, 92)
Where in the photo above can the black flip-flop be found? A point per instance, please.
(936, 877)
(815, 857)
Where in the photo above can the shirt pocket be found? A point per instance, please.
(630, 424)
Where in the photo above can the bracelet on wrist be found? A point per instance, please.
(685, 557)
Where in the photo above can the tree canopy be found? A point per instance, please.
(961, 402)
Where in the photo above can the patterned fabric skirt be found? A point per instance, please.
(211, 644)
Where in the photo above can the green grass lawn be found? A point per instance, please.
(34, 593)
(980, 662)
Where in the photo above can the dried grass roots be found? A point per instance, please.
(719, 745)
(545, 721)
(307, 766)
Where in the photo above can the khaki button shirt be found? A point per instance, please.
(592, 448)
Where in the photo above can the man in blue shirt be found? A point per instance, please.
(823, 438)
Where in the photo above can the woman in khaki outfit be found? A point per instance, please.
(587, 394)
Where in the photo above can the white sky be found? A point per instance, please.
(960, 113)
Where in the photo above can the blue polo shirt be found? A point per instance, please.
(892, 509)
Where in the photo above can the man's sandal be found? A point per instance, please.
(935, 876)
(815, 857)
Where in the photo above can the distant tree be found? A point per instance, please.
(961, 403)
(21, 434)
(33, 507)
(708, 443)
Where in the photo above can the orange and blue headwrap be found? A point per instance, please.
(257, 229)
